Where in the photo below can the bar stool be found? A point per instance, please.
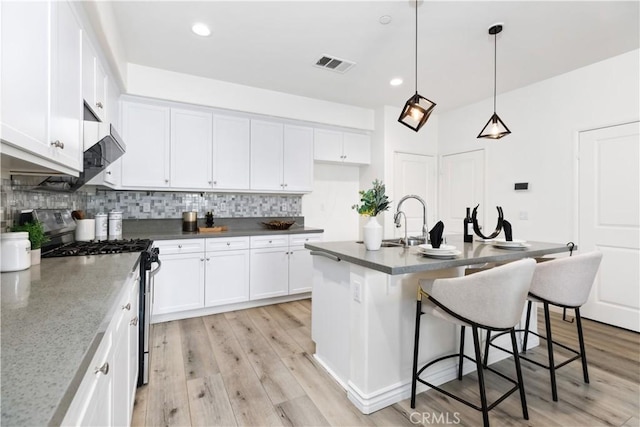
(492, 300)
(566, 283)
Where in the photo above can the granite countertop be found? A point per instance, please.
(170, 229)
(53, 318)
(399, 260)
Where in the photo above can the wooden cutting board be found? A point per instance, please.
(212, 229)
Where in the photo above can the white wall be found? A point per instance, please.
(172, 86)
(335, 190)
(545, 119)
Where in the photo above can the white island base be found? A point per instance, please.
(363, 325)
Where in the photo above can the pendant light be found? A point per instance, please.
(495, 127)
(417, 109)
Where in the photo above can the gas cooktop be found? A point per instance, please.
(98, 248)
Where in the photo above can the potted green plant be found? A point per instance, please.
(373, 201)
(36, 237)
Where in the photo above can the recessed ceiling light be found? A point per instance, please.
(396, 81)
(385, 19)
(201, 29)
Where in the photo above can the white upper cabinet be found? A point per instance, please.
(66, 74)
(298, 158)
(94, 80)
(40, 57)
(191, 146)
(231, 153)
(342, 147)
(146, 131)
(281, 157)
(266, 155)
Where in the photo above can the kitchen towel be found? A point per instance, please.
(435, 235)
(506, 226)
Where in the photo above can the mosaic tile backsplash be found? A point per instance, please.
(16, 195)
(158, 205)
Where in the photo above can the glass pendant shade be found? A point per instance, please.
(416, 112)
(494, 129)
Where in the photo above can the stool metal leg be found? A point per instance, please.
(483, 394)
(582, 352)
(461, 358)
(416, 343)
(526, 327)
(486, 349)
(552, 367)
(516, 359)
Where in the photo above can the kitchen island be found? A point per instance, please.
(363, 314)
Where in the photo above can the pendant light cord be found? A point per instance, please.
(495, 69)
(416, 46)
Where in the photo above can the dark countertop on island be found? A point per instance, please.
(399, 260)
(170, 229)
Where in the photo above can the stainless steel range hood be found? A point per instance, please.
(102, 146)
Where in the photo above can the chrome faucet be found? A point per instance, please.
(396, 220)
(396, 217)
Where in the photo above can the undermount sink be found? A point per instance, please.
(399, 242)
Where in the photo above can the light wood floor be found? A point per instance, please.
(255, 368)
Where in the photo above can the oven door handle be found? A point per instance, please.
(155, 270)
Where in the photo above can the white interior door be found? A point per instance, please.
(461, 186)
(609, 221)
(414, 174)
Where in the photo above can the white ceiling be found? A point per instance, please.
(274, 44)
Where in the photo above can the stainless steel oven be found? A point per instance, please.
(147, 270)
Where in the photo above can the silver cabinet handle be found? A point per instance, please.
(166, 181)
(99, 104)
(270, 241)
(201, 259)
(208, 259)
(286, 185)
(104, 369)
(210, 182)
(228, 243)
(58, 144)
(179, 246)
(108, 172)
(134, 321)
(215, 182)
(127, 307)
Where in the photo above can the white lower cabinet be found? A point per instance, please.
(227, 271)
(107, 391)
(179, 285)
(199, 274)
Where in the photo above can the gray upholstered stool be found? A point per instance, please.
(492, 300)
(566, 283)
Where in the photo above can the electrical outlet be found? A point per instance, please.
(223, 206)
(283, 207)
(146, 207)
(357, 291)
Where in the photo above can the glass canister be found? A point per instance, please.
(102, 226)
(16, 251)
(115, 225)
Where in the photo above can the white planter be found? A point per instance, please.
(372, 234)
(35, 256)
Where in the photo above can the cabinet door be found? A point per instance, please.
(97, 403)
(101, 82)
(327, 145)
(266, 155)
(24, 60)
(300, 270)
(231, 153)
(298, 158)
(88, 73)
(356, 148)
(191, 140)
(120, 370)
(179, 285)
(134, 336)
(269, 273)
(227, 277)
(146, 133)
(66, 91)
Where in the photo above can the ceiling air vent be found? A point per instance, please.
(334, 64)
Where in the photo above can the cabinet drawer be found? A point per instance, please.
(301, 239)
(269, 241)
(227, 244)
(181, 246)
